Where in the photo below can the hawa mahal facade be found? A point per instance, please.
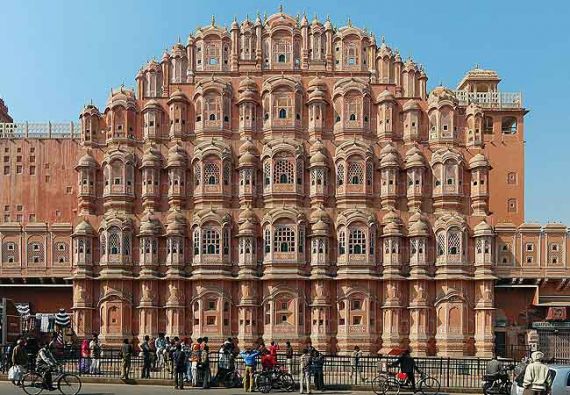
(287, 179)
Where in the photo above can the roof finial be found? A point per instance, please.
(178, 39)
(440, 83)
(281, 8)
(328, 18)
(476, 65)
(247, 17)
(349, 22)
(213, 20)
(383, 40)
(235, 19)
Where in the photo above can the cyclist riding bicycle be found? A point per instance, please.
(45, 363)
(407, 366)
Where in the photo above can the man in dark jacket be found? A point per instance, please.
(408, 366)
(126, 355)
(318, 362)
(145, 349)
(179, 365)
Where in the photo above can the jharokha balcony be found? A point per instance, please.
(490, 100)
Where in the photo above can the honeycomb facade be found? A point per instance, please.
(284, 179)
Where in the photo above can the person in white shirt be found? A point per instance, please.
(536, 376)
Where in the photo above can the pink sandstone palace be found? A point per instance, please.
(287, 179)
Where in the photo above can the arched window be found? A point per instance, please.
(341, 243)
(340, 174)
(283, 172)
(454, 242)
(355, 173)
(357, 242)
(284, 239)
(352, 117)
(212, 107)
(281, 58)
(509, 125)
(210, 241)
(282, 113)
(196, 241)
(267, 241)
(114, 241)
(282, 51)
(211, 174)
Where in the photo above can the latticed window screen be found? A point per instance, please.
(386, 246)
(283, 171)
(114, 242)
(300, 169)
(282, 51)
(245, 177)
(357, 242)
(210, 241)
(61, 252)
(440, 243)
(301, 238)
(369, 173)
(10, 252)
(453, 242)
(227, 173)
(322, 246)
(355, 173)
(372, 240)
(284, 239)
(247, 245)
(353, 108)
(450, 175)
(351, 54)
(35, 252)
(340, 174)
(211, 173)
(413, 246)
(283, 107)
(341, 243)
(266, 173)
(80, 246)
(213, 54)
(226, 241)
(126, 244)
(479, 246)
(196, 241)
(421, 246)
(267, 240)
(145, 245)
(197, 174)
(318, 176)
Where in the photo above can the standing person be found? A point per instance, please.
(187, 348)
(273, 348)
(305, 369)
(84, 364)
(224, 356)
(249, 357)
(318, 362)
(266, 361)
(289, 357)
(407, 366)
(145, 349)
(160, 344)
(535, 380)
(179, 362)
(95, 352)
(205, 362)
(126, 355)
(355, 364)
(493, 367)
(20, 358)
(196, 354)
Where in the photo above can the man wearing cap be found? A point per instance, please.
(536, 375)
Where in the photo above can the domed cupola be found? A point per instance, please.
(317, 102)
(82, 236)
(412, 117)
(479, 167)
(120, 115)
(247, 242)
(150, 169)
(442, 104)
(90, 124)
(178, 106)
(248, 102)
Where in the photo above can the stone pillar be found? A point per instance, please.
(484, 319)
(419, 317)
(148, 309)
(175, 308)
(392, 334)
(83, 308)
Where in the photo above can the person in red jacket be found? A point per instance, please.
(273, 348)
(267, 361)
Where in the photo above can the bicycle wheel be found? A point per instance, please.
(232, 380)
(429, 385)
(32, 383)
(376, 384)
(287, 382)
(387, 385)
(69, 384)
(263, 383)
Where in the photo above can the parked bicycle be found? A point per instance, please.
(391, 383)
(232, 379)
(33, 383)
(266, 380)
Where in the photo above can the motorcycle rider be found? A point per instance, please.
(493, 367)
(536, 375)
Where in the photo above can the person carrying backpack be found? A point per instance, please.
(179, 365)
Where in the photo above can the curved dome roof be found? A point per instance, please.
(83, 228)
(478, 160)
(385, 95)
(87, 161)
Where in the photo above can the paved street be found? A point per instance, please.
(125, 389)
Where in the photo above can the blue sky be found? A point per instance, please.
(58, 55)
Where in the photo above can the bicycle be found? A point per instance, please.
(275, 378)
(390, 383)
(232, 379)
(33, 383)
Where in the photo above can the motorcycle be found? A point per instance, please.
(499, 383)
